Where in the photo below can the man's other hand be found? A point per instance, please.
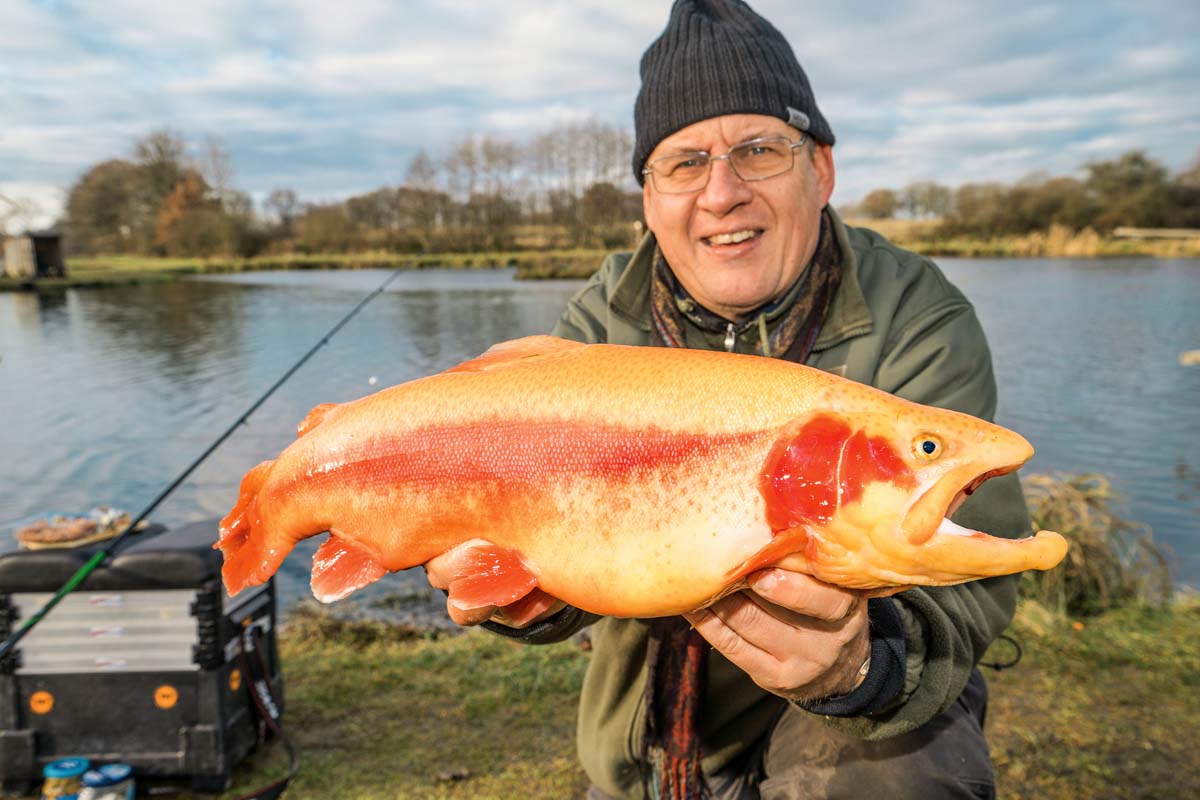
(793, 635)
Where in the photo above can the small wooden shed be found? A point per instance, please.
(34, 255)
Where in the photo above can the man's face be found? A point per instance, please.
(782, 213)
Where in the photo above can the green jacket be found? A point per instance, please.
(895, 323)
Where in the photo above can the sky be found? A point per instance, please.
(334, 99)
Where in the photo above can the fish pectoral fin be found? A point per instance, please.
(488, 575)
(341, 566)
(792, 546)
(505, 354)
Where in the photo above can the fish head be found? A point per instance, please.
(873, 490)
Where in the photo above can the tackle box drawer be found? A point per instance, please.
(140, 664)
(134, 630)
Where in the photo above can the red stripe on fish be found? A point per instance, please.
(523, 452)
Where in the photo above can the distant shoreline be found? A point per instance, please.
(917, 235)
(103, 271)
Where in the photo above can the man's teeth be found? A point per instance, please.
(731, 238)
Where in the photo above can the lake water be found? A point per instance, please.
(107, 394)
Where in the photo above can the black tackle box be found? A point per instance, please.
(139, 665)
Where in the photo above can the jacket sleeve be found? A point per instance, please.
(941, 358)
(585, 319)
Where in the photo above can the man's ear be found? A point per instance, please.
(822, 161)
(648, 206)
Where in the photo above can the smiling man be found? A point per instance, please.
(741, 227)
(792, 688)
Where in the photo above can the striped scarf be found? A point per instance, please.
(675, 657)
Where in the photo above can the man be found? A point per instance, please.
(798, 688)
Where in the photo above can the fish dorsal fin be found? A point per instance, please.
(314, 418)
(515, 351)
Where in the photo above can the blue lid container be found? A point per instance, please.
(66, 768)
(107, 775)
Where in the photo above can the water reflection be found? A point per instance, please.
(186, 330)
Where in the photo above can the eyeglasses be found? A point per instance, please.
(755, 160)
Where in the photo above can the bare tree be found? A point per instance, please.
(216, 166)
(284, 205)
(421, 173)
(462, 169)
(17, 210)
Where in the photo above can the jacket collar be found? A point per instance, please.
(848, 314)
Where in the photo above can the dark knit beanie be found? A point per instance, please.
(719, 57)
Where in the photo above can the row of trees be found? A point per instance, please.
(1132, 190)
(568, 186)
(161, 201)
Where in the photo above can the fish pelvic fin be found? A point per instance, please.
(341, 566)
(488, 575)
(515, 351)
(242, 536)
(314, 418)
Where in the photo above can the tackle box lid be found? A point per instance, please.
(156, 558)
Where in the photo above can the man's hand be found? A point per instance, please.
(793, 635)
(533, 607)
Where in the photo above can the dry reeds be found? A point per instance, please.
(1112, 561)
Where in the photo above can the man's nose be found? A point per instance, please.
(724, 191)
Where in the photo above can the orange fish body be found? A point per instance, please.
(628, 481)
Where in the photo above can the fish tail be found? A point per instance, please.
(243, 536)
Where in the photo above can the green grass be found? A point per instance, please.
(380, 712)
(1102, 707)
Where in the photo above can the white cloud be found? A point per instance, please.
(335, 99)
(1151, 59)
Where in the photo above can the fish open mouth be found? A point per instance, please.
(931, 513)
(946, 526)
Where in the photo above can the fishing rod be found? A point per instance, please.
(99, 557)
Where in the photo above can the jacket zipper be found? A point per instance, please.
(730, 338)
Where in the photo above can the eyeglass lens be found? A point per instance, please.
(751, 161)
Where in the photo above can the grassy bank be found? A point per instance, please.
(1106, 706)
(921, 236)
(118, 270)
(924, 236)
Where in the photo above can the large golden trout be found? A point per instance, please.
(628, 481)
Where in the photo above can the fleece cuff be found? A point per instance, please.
(550, 630)
(885, 677)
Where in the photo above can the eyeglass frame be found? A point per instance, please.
(649, 168)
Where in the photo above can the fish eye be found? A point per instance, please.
(927, 447)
